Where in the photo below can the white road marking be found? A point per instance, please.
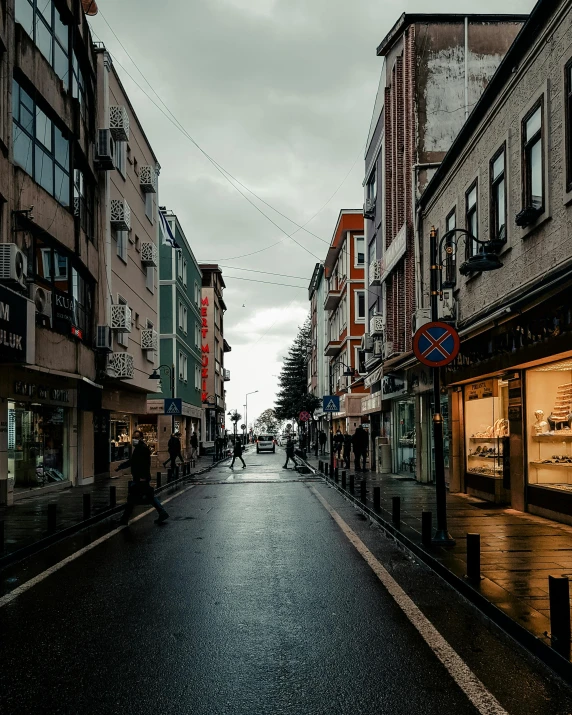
(19, 590)
(474, 689)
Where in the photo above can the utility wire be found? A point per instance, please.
(251, 270)
(272, 283)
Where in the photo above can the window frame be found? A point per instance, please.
(471, 247)
(357, 317)
(494, 183)
(150, 279)
(526, 145)
(357, 264)
(183, 366)
(122, 242)
(183, 317)
(451, 258)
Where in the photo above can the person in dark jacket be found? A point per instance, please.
(237, 452)
(140, 488)
(289, 452)
(360, 443)
(323, 440)
(338, 442)
(174, 449)
(194, 445)
(347, 449)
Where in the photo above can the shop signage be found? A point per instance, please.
(393, 385)
(204, 349)
(13, 326)
(27, 389)
(482, 389)
(155, 407)
(371, 403)
(394, 253)
(436, 344)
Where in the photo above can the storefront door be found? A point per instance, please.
(405, 438)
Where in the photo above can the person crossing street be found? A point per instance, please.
(237, 452)
(289, 452)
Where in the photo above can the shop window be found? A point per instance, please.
(37, 444)
(549, 425)
(486, 427)
(39, 147)
(120, 437)
(498, 195)
(568, 110)
(472, 220)
(406, 437)
(41, 20)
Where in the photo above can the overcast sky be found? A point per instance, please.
(280, 93)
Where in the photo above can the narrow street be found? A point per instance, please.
(252, 599)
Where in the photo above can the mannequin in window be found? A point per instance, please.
(541, 425)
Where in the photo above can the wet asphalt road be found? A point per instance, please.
(250, 600)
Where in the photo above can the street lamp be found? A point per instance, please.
(246, 408)
(484, 260)
(156, 375)
(234, 417)
(348, 372)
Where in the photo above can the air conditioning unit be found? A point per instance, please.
(149, 254)
(104, 339)
(378, 348)
(122, 364)
(105, 150)
(446, 306)
(149, 339)
(119, 123)
(42, 298)
(387, 349)
(120, 215)
(148, 179)
(121, 318)
(369, 208)
(366, 343)
(375, 273)
(342, 382)
(376, 325)
(13, 264)
(420, 317)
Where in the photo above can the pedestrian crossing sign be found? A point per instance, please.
(173, 406)
(331, 403)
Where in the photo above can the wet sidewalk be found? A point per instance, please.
(519, 551)
(26, 522)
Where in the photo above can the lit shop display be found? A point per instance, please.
(549, 425)
(120, 436)
(486, 428)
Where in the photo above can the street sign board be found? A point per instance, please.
(331, 403)
(173, 406)
(304, 416)
(436, 344)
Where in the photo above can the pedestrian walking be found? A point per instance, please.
(194, 445)
(338, 442)
(360, 444)
(140, 488)
(174, 449)
(347, 449)
(323, 440)
(237, 452)
(289, 452)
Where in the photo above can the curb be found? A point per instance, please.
(520, 634)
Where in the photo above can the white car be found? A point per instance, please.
(265, 443)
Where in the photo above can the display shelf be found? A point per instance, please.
(552, 437)
(565, 465)
(485, 456)
(484, 439)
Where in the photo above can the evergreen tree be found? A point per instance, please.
(267, 422)
(293, 396)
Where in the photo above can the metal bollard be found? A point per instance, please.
(336, 474)
(326, 468)
(352, 483)
(559, 595)
(112, 496)
(320, 466)
(362, 490)
(426, 527)
(377, 498)
(169, 475)
(344, 482)
(52, 517)
(396, 511)
(86, 506)
(2, 539)
(158, 479)
(474, 557)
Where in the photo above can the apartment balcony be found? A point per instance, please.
(121, 366)
(375, 273)
(226, 375)
(333, 348)
(334, 294)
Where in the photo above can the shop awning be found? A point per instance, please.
(374, 377)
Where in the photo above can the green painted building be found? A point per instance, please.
(180, 281)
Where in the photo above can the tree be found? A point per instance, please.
(267, 422)
(293, 396)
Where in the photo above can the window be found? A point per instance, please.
(184, 272)
(532, 160)
(149, 206)
(472, 220)
(371, 187)
(120, 157)
(183, 317)
(40, 148)
(197, 293)
(197, 377)
(42, 22)
(79, 87)
(498, 195)
(83, 203)
(150, 278)
(342, 315)
(182, 366)
(450, 257)
(122, 338)
(359, 247)
(360, 305)
(216, 312)
(197, 335)
(568, 109)
(371, 252)
(122, 245)
(179, 264)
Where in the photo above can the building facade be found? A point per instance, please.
(435, 67)
(345, 306)
(50, 256)
(126, 337)
(180, 287)
(213, 348)
(317, 363)
(508, 178)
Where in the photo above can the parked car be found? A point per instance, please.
(265, 443)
